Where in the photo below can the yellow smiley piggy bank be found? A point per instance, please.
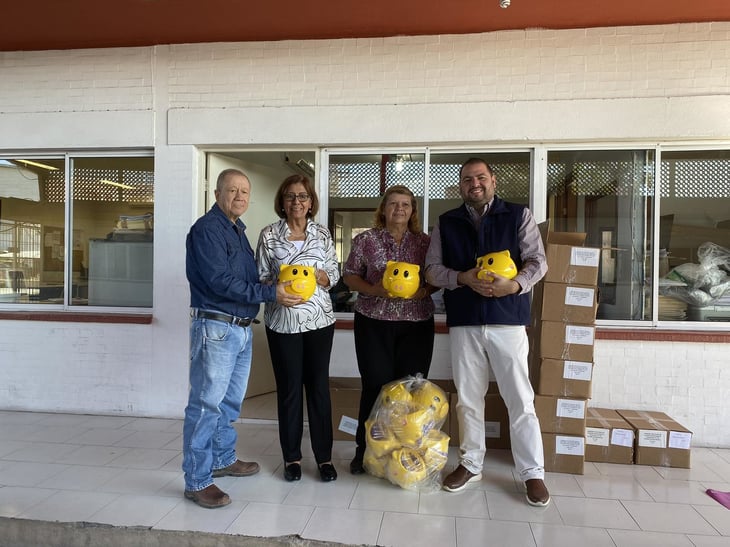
(401, 279)
(499, 263)
(303, 280)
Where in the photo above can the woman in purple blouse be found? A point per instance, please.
(393, 336)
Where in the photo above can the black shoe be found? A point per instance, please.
(292, 472)
(356, 467)
(327, 472)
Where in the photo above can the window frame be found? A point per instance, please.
(85, 313)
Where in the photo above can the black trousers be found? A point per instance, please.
(301, 362)
(388, 351)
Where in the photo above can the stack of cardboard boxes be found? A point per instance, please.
(636, 436)
(562, 335)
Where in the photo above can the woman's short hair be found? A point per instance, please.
(308, 188)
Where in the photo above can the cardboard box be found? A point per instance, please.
(567, 303)
(496, 422)
(345, 397)
(566, 341)
(451, 425)
(454, 439)
(561, 414)
(565, 378)
(659, 440)
(568, 261)
(563, 453)
(609, 438)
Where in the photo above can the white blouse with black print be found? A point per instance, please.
(318, 250)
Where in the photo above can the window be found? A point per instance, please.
(665, 247)
(76, 230)
(608, 195)
(694, 236)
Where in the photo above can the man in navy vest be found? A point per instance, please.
(487, 320)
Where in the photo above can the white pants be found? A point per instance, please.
(503, 348)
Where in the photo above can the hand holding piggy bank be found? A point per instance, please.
(499, 263)
(303, 279)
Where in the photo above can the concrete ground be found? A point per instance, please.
(35, 533)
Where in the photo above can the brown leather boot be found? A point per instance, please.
(237, 469)
(210, 497)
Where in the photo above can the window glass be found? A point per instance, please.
(694, 236)
(32, 242)
(97, 251)
(608, 195)
(113, 227)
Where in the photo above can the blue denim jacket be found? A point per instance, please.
(221, 268)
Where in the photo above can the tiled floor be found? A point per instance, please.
(126, 471)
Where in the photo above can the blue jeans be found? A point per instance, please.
(220, 362)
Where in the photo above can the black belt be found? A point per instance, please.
(232, 319)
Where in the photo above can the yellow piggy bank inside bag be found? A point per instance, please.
(499, 263)
(401, 279)
(303, 279)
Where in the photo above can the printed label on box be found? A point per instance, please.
(568, 408)
(622, 437)
(348, 425)
(577, 370)
(575, 334)
(584, 256)
(570, 446)
(651, 438)
(679, 439)
(597, 436)
(491, 430)
(579, 296)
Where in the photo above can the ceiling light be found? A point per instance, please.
(306, 166)
(504, 3)
(118, 184)
(36, 164)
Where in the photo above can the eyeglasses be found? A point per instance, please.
(298, 197)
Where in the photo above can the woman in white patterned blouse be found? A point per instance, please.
(300, 337)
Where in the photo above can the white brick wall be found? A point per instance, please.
(688, 381)
(518, 86)
(69, 367)
(622, 62)
(78, 80)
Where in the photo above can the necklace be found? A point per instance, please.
(297, 236)
(296, 233)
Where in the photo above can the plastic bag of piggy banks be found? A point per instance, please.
(404, 441)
